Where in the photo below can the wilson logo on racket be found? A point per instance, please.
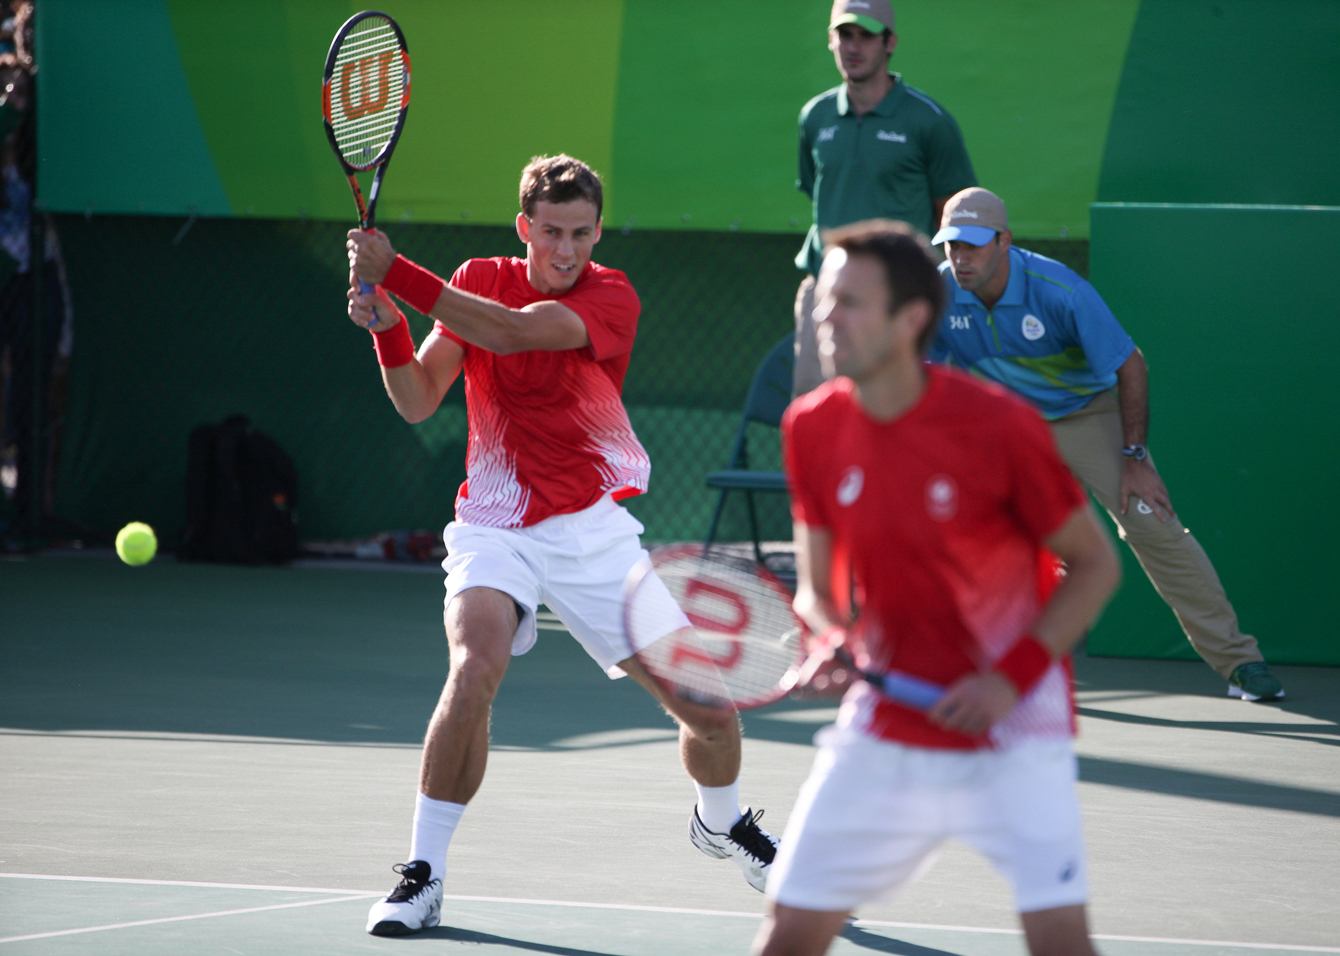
(373, 95)
(698, 594)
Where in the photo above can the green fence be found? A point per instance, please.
(1234, 309)
(176, 326)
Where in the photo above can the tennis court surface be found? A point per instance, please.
(203, 759)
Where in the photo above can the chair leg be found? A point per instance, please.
(716, 517)
(753, 526)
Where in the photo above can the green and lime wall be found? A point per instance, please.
(688, 109)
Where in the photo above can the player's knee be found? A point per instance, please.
(1063, 931)
(476, 672)
(712, 724)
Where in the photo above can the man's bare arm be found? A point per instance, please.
(541, 326)
(939, 212)
(418, 387)
(1133, 396)
(1139, 479)
(979, 700)
(814, 602)
(1092, 575)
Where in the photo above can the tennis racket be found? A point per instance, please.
(742, 637)
(364, 99)
(906, 689)
(744, 648)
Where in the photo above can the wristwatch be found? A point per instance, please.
(1137, 452)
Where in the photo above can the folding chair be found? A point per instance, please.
(769, 394)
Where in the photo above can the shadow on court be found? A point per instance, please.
(884, 944)
(471, 936)
(339, 655)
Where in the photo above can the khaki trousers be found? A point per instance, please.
(1090, 441)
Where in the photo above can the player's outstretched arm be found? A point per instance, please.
(417, 386)
(814, 602)
(979, 700)
(1092, 575)
(546, 326)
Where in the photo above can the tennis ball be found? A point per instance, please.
(136, 543)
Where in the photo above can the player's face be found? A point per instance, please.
(860, 54)
(856, 334)
(978, 268)
(558, 238)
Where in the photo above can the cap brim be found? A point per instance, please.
(973, 235)
(866, 23)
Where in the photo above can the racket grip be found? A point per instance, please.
(367, 289)
(364, 287)
(912, 691)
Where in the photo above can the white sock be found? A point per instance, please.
(434, 823)
(719, 807)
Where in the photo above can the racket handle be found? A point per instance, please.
(906, 689)
(366, 289)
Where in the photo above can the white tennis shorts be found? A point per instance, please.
(872, 814)
(574, 563)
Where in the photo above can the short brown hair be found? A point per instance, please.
(909, 270)
(559, 179)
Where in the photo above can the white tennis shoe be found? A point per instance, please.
(749, 845)
(414, 905)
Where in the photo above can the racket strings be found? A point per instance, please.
(367, 86)
(743, 639)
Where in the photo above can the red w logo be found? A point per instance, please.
(733, 602)
(372, 92)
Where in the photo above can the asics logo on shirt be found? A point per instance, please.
(941, 497)
(1033, 328)
(890, 136)
(962, 322)
(849, 488)
(827, 133)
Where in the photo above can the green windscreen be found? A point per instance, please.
(1243, 420)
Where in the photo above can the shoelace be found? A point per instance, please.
(413, 881)
(747, 834)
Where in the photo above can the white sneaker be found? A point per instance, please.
(414, 905)
(748, 844)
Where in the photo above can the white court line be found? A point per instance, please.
(1282, 947)
(216, 886)
(179, 919)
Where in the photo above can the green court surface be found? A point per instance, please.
(202, 759)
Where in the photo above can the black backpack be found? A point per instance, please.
(241, 497)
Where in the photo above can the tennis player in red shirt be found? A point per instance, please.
(925, 505)
(544, 343)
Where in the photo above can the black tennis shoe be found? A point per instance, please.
(749, 845)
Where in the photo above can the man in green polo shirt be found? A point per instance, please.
(872, 148)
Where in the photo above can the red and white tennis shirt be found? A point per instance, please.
(549, 434)
(938, 519)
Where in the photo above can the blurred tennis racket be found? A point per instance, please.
(364, 99)
(744, 637)
(906, 689)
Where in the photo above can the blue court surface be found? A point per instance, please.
(222, 760)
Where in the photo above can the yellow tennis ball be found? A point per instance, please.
(136, 543)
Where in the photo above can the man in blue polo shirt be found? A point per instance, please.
(1038, 328)
(870, 148)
